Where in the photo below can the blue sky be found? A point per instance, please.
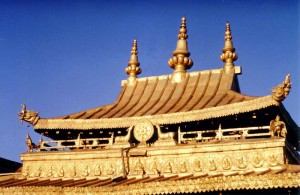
(60, 57)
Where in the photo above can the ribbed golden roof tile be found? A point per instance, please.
(162, 101)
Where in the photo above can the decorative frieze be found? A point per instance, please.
(220, 158)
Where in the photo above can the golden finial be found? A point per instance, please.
(133, 68)
(180, 61)
(229, 55)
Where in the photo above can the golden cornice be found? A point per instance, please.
(229, 55)
(172, 118)
(133, 68)
(198, 185)
(180, 61)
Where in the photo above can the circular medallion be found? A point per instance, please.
(143, 131)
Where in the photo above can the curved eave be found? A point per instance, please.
(171, 118)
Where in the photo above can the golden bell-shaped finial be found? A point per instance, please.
(133, 68)
(229, 55)
(180, 61)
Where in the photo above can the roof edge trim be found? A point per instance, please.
(172, 118)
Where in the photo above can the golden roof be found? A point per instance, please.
(201, 95)
(227, 160)
(169, 99)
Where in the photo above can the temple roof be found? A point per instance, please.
(170, 99)
(159, 95)
(201, 95)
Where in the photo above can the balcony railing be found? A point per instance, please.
(223, 134)
(89, 143)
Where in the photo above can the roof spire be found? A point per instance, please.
(180, 61)
(229, 55)
(133, 68)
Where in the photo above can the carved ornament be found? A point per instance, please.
(281, 91)
(29, 116)
(143, 131)
(277, 127)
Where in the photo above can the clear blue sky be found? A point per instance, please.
(60, 57)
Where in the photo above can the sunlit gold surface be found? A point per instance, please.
(278, 128)
(148, 158)
(181, 61)
(133, 68)
(229, 55)
(172, 118)
(194, 184)
(225, 155)
(281, 91)
(28, 115)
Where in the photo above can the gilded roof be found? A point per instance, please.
(159, 95)
(170, 99)
(201, 95)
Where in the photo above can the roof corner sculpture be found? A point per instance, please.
(133, 68)
(29, 116)
(229, 55)
(180, 61)
(281, 91)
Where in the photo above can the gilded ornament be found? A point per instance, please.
(139, 168)
(229, 55)
(73, 171)
(30, 144)
(143, 132)
(85, 171)
(124, 139)
(241, 162)
(180, 61)
(29, 116)
(277, 127)
(164, 136)
(110, 170)
(183, 167)
(155, 168)
(50, 172)
(281, 91)
(273, 160)
(258, 161)
(168, 168)
(97, 171)
(197, 166)
(133, 68)
(212, 165)
(226, 163)
(61, 172)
